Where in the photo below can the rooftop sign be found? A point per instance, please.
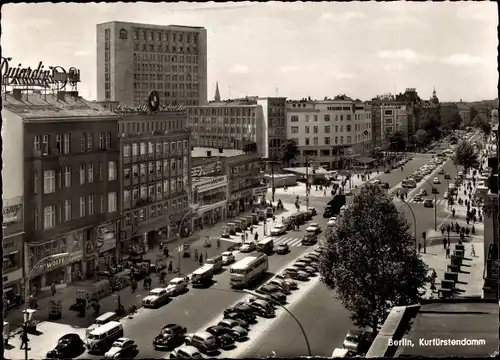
(147, 109)
(26, 76)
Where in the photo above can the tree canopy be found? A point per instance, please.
(482, 124)
(342, 97)
(431, 125)
(370, 259)
(288, 151)
(455, 120)
(397, 141)
(466, 155)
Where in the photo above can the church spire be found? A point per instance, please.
(217, 93)
(434, 92)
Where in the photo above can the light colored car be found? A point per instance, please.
(248, 246)
(227, 257)
(281, 284)
(123, 348)
(422, 192)
(186, 352)
(331, 221)
(177, 286)
(436, 181)
(278, 230)
(376, 181)
(156, 297)
(314, 227)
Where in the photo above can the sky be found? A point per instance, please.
(292, 50)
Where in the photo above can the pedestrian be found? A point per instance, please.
(256, 237)
(201, 259)
(53, 288)
(448, 252)
(472, 251)
(246, 236)
(24, 340)
(134, 285)
(419, 247)
(161, 245)
(444, 243)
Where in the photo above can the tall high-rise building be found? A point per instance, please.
(134, 59)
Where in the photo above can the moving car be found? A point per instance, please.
(273, 291)
(376, 181)
(269, 212)
(186, 352)
(177, 286)
(292, 284)
(156, 297)
(279, 229)
(243, 319)
(222, 336)
(171, 336)
(428, 203)
(282, 249)
(227, 257)
(447, 176)
(422, 192)
(248, 246)
(331, 221)
(417, 197)
(123, 348)
(314, 227)
(203, 341)
(296, 274)
(436, 181)
(387, 171)
(68, 346)
(238, 332)
(446, 195)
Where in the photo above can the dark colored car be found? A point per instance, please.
(282, 249)
(246, 312)
(222, 335)
(241, 318)
(68, 346)
(262, 308)
(171, 336)
(274, 292)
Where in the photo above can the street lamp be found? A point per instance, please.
(288, 311)
(414, 220)
(26, 292)
(433, 189)
(192, 207)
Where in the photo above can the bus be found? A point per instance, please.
(248, 270)
(266, 246)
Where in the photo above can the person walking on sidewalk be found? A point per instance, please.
(24, 340)
(201, 259)
(448, 252)
(444, 243)
(472, 251)
(53, 288)
(134, 285)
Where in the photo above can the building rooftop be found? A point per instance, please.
(173, 26)
(31, 106)
(469, 320)
(202, 152)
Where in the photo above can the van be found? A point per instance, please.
(237, 223)
(202, 277)
(101, 320)
(100, 340)
(216, 263)
(266, 246)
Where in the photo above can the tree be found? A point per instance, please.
(342, 97)
(455, 120)
(431, 124)
(288, 151)
(473, 113)
(466, 156)
(397, 141)
(370, 259)
(482, 124)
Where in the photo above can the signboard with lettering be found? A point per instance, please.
(241, 195)
(205, 184)
(105, 236)
(39, 77)
(206, 169)
(147, 109)
(260, 191)
(12, 210)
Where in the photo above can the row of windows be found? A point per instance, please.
(155, 211)
(170, 102)
(62, 212)
(157, 69)
(327, 117)
(229, 111)
(172, 49)
(169, 188)
(326, 129)
(63, 142)
(158, 59)
(61, 177)
(155, 76)
(151, 125)
(156, 167)
(225, 130)
(327, 140)
(165, 36)
(151, 147)
(159, 86)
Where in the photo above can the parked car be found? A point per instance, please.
(447, 176)
(331, 221)
(297, 274)
(314, 227)
(288, 280)
(241, 318)
(273, 291)
(262, 308)
(177, 286)
(171, 336)
(238, 332)
(123, 348)
(203, 341)
(243, 310)
(68, 346)
(222, 336)
(186, 352)
(417, 198)
(281, 284)
(358, 341)
(313, 211)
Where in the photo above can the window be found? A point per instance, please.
(123, 34)
(327, 129)
(327, 117)
(315, 129)
(49, 181)
(143, 148)
(315, 117)
(49, 217)
(348, 117)
(348, 128)
(67, 143)
(82, 206)
(150, 148)
(126, 150)
(67, 210)
(36, 143)
(91, 204)
(82, 174)
(315, 141)
(101, 141)
(111, 202)
(307, 141)
(90, 172)
(151, 190)
(83, 142)
(45, 144)
(59, 143)
(35, 182)
(295, 129)
(112, 171)
(90, 142)
(143, 169)
(307, 129)
(295, 118)
(67, 176)
(307, 118)
(327, 141)
(108, 140)
(59, 181)
(336, 139)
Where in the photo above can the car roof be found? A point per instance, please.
(188, 349)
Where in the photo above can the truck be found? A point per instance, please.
(203, 276)
(333, 207)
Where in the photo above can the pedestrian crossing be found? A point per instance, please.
(284, 239)
(440, 202)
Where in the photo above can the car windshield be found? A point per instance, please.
(155, 292)
(352, 338)
(118, 344)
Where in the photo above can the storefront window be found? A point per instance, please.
(11, 262)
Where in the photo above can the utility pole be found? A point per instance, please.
(272, 181)
(307, 182)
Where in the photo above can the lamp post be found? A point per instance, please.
(192, 207)
(26, 292)
(435, 202)
(288, 311)
(414, 221)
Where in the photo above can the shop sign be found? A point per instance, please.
(206, 169)
(50, 265)
(210, 183)
(75, 256)
(240, 195)
(260, 191)
(11, 210)
(105, 233)
(145, 109)
(25, 76)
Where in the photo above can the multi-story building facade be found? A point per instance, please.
(394, 118)
(134, 59)
(70, 184)
(274, 119)
(154, 164)
(328, 131)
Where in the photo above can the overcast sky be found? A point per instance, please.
(293, 49)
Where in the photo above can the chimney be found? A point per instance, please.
(209, 153)
(17, 94)
(61, 95)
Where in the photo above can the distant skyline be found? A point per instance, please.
(293, 50)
